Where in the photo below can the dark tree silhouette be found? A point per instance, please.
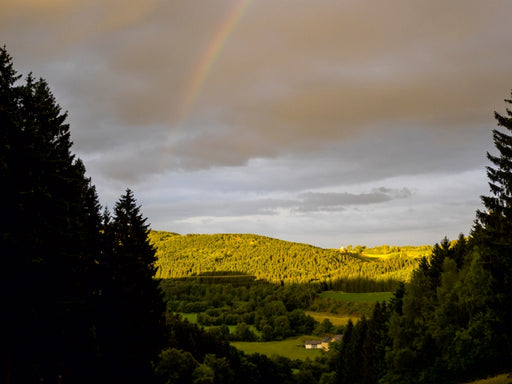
(131, 331)
(493, 229)
(49, 234)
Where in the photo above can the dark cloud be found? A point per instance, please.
(290, 78)
(305, 99)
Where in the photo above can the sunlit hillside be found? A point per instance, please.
(280, 261)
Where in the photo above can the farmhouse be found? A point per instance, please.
(322, 344)
(313, 344)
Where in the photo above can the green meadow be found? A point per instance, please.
(191, 317)
(292, 348)
(335, 320)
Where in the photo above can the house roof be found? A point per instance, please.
(324, 340)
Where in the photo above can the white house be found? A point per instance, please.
(322, 344)
(313, 344)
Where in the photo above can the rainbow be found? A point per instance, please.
(208, 58)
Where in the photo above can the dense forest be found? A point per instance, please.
(82, 302)
(281, 261)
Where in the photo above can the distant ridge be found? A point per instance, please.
(277, 260)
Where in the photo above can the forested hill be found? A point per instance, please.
(279, 261)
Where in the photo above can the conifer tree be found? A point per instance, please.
(375, 344)
(133, 307)
(493, 233)
(343, 369)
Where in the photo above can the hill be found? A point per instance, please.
(279, 261)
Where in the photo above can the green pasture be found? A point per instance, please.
(191, 317)
(292, 348)
(376, 256)
(368, 297)
(407, 251)
(335, 320)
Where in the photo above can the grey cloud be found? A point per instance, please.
(307, 202)
(373, 157)
(303, 96)
(220, 147)
(428, 209)
(332, 201)
(219, 208)
(291, 78)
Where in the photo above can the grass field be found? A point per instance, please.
(409, 251)
(191, 317)
(369, 297)
(292, 348)
(336, 320)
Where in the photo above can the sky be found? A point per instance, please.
(327, 122)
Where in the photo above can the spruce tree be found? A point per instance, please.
(132, 333)
(343, 368)
(493, 234)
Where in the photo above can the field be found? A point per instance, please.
(191, 317)
(292, 348)
(335, 320)
(370, 297)
(385, 252)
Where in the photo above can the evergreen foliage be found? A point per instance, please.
(493, 231)
(49, 235)
(280, 261)
(452, 321)
(80, 304)
(132, 308)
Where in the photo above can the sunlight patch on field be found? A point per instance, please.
(191, 317)
(292, 348)
(336, 320)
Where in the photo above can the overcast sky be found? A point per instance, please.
(327, 122)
